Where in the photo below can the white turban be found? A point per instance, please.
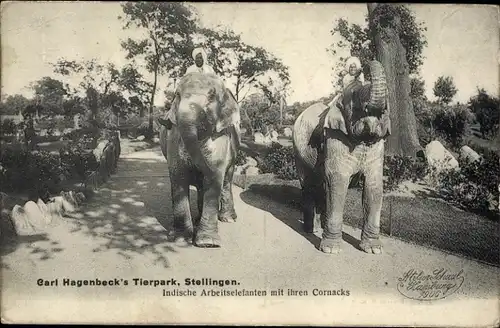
(201, 51)
(352, 60)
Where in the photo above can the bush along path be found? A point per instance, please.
(33, 217)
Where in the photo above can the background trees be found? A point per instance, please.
(166, 45)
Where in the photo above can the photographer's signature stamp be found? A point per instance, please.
(427, 286)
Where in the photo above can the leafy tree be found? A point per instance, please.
(358, 40)
(133, 82)
(50, 94)
(487, 111)
(167, 46)
(13, 104)
(444, 89)
(251, 67)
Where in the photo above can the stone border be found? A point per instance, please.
(32, 218)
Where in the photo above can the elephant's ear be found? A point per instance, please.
(229, 114)
(334, 119)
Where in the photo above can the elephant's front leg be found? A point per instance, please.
(336, 184)
(183, 224)
(207, 232)
(227, 212)
(372, 200)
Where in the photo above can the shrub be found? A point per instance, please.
(240, 157)
(475, 186)
(8, 127)
(452, 123)
(398, 169)
(76, 160)
(438, 121)
(38, 172)
(280, 161)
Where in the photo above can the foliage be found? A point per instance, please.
(444, 89)
(280, 161)
(50, 95)
(487, 111)
(240, 157)
(13, 104)
(417, 90)
(475, 186)
(8, 127)
(77, 159)
(451, 124)
(398, 169)
(252, 67)
(167, 46)
(357, 39)
(260, 112)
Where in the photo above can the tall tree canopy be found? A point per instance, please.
(444, 89)
(249, 66)
(357, 39)
(166, 45)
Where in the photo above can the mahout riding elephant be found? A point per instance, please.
(331, 144)
(199, 137)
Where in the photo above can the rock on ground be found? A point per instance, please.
(21, 221)
(34, 215)
(252, 170)
(439, 158)
(140, 138)
(45, 211)
(250, 161)
(469, 154)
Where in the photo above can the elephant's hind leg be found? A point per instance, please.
(227, 212)
(310, 221)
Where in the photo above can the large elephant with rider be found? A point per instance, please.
(200, 136)
(331, 144)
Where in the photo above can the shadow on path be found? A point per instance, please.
(423, 221)
(271, 198)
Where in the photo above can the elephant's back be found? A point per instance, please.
(308, 133)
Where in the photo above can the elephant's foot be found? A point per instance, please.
(206, 234)
(330, 246)
(228, 217)
(207, 240)
(371, 246)
(180, 238)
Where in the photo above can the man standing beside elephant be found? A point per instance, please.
(332, 143)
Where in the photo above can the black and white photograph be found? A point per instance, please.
(239, 163)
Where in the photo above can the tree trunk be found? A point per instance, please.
(391, 53)
(152, 102)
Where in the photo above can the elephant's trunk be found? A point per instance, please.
(378, 85)
(192, 125)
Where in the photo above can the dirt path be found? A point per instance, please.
(122, 234)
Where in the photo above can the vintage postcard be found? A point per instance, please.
(332, 164)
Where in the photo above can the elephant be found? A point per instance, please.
(331, 144)
(199, 137)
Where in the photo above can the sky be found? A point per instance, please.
(463, 40)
